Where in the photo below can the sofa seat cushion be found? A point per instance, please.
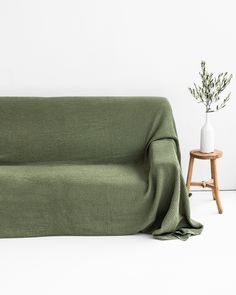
(76, 199)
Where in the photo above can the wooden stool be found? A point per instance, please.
(213, 182)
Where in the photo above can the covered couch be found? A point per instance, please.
(91, 166)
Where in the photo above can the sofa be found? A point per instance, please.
(91, 166)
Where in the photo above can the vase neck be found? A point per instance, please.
(207, 117)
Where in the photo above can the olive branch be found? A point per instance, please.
(210, 89)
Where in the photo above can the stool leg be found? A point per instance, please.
(190, 172)
(212, 177)
(216, 189)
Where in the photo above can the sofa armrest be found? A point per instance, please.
(166, 183)
(163, 152)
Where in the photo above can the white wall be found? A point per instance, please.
(124, 47)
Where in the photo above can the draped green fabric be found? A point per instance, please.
(91, 166)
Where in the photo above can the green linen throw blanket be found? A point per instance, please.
(91, 166)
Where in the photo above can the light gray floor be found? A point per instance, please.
(128, 265)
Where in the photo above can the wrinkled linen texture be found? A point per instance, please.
(91, 166)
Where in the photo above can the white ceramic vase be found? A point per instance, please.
(207, 137)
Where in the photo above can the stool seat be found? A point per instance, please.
(213, 182)
(206, 156)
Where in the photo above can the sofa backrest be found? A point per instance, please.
(89, 129)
